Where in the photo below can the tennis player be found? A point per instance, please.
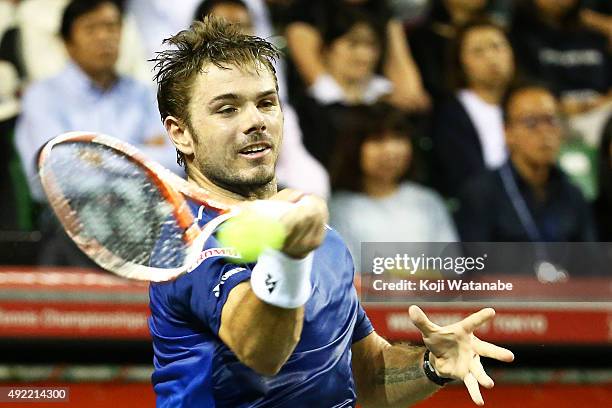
(288, 331)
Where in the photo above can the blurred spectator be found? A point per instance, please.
(312, 20)
(373, 200)
(432, 43)
(351, 53)
(529, 199)
(234, 11)
(160, 19)
(468, 128)
(37, 51)
(259, 24)
(296, 168)
(603, 205)
(88, 95)
(552, 46)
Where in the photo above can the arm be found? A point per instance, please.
(264, 335)
(392, 376)
(389, 375)
(401, 69)
(261, 335)
(305, 44)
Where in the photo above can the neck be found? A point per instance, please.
(550, 20)
(536, 175)
(375, 187)
(353, 90)
(459, 16)
(103, 80)
(230, 195)
(492, 96)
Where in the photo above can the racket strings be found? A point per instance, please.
(114, 204)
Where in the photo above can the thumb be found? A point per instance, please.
(421, 321)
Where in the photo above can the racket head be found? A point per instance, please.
(127, 213)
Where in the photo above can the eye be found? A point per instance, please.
(267, 103)
(226, 110)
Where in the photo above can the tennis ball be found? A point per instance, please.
(250, 233)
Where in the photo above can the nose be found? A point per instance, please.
(255, 120)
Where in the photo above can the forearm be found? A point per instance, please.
(399, 65)
(261, 335)
(401, 381)
(305, 44)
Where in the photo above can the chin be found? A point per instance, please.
(259, 176)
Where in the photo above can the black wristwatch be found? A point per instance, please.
(431, 373)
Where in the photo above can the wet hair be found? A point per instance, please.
(77, 8)
(210, 41)
(363, 123)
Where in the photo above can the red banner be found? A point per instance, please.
(531, 324)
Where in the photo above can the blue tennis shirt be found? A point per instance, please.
(194, 368)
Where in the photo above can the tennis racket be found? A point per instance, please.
(129, 214)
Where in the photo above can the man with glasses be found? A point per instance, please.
(529, 199)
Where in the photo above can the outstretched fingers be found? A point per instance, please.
(475, 320)
(421, 321)
(486, 349)
(472, 385)
(479, 373)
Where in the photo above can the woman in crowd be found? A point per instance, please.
(374, 201)
(468, 129)
(311, 20)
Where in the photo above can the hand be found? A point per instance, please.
(304, 223)
(455, 351)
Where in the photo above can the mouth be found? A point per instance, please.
(255, 150)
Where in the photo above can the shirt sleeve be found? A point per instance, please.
(38, 123)
(212, 281)
(363, 325)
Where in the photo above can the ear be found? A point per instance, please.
(179, 134)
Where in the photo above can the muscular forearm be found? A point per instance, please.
(397, 378)
(261, 335)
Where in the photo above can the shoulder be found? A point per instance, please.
(134, 86)
(421, 193)
(43, 89)
(449, 105)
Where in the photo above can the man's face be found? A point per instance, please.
(236, 124)
(94, 39)
(234, 14)
(487, 57)
(533, 128)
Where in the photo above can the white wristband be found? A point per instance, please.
(280, 280)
